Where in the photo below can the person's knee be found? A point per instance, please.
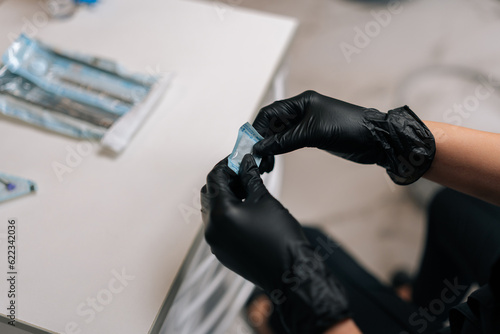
(440, 209)
(447, 208)
(313, 233)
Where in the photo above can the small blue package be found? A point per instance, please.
(247, 138)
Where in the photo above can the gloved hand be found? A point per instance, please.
(398, 140)
(260, 240)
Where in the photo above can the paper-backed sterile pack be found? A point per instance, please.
(75, 94)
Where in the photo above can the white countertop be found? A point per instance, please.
(125, 213)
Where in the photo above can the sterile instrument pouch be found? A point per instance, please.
(20, 98)
(13, 186)
(76, 94)
(247, 138)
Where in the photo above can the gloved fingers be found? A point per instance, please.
(267, 164)
(280, 143)
(205, 204)
(280, 115)
(268, 119)
(218, 188)
(237, 188)
(250, 178)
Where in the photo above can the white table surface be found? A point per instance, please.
(123, 213)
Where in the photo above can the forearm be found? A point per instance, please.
(466, 160)
(345, 327)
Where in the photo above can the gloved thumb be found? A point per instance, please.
(280, 143)
(250, 177)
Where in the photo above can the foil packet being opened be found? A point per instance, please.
(247, 138)
(74, 94)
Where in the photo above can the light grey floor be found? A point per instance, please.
(377, 221)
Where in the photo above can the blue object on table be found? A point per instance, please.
(76, 94)
(10, 186)
(14, 186)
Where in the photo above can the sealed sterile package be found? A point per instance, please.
(21, 99)
(247, 138)
(79, 95)
(14, 186)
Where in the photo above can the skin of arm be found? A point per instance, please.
(466, 160)
(344, 327)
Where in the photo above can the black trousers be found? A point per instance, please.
(463, 241)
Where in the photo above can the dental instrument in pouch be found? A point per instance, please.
(10, 186)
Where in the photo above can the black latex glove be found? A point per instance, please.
(398, 140)
(260, 240)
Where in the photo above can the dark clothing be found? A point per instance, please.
(463, 244)
(481, 314)
(376, 308)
